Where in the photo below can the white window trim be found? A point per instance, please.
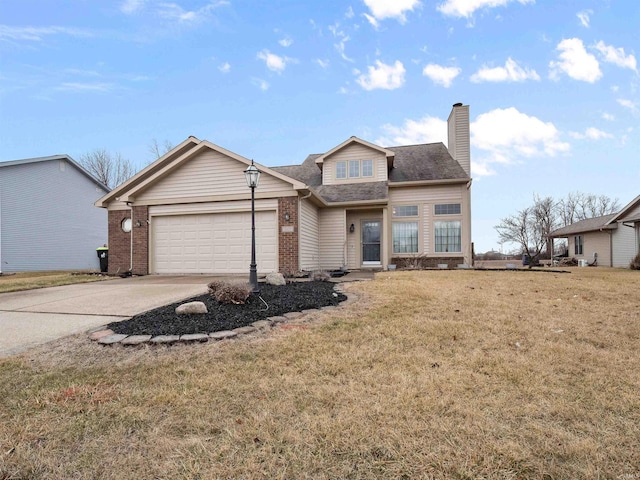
(347, 164)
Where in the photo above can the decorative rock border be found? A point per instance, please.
(104, 336)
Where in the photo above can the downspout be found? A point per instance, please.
(130, 204)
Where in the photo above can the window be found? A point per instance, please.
(578, 247)
(126, 225)
(354, 168)
(367, 168)
(405, 237)
(448, 237)
(448, 209)
(405, 211)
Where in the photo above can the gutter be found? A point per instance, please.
(430, 182)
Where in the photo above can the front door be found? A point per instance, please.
(371, 242)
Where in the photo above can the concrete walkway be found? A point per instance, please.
(34, 317)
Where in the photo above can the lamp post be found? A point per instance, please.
(252, 174)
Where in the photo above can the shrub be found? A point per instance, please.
(236, 293)
(214, 286)
(319, 276)
(635, 263)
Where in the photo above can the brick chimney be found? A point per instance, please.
(459, 141)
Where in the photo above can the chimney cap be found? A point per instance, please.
(459, 104)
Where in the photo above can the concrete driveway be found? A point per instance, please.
(34, 317)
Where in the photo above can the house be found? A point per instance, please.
(47, 217)
(358, 205)
(615, 238)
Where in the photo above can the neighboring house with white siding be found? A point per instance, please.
(615, 238)
(357, 206)
(47, 217)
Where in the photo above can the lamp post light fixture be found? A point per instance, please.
(252, 174)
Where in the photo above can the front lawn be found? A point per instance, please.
(439, 374)
(31, 280)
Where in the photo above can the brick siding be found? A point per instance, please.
(141, 241)
(288, 241)
(119, 242)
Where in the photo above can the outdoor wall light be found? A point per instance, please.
(138, 223)
(286, 217)
(352, 228)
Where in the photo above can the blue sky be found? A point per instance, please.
(553, 86)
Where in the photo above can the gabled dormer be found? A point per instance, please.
(355, 161)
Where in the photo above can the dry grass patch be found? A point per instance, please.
(452, 374)
(31, 280)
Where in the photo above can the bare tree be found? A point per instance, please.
(110, 169)
(525, 228)
(546, 212)
(580, 206)
(156, 150)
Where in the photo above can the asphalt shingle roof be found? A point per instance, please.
(412, 163)
(588, 225)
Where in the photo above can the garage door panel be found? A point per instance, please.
(213, 243)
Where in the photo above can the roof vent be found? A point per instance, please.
(457, 104)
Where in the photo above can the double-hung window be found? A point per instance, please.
(354, 169)
(405, 233)
(448, 236)
(578, 244)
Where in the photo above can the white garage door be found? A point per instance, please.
(213, 243)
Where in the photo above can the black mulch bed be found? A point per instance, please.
(293, 297)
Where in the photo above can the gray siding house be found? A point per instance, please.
(47, 217)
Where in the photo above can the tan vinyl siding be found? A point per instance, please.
(593, 242)
(459, 143)
(354, 240)
(208, 173)
(332, 230)
(212, 207)
(354, 151)
(425, 198)
(309, 236)
(633, 214)
(624, 245)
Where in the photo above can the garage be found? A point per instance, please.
(213, 243)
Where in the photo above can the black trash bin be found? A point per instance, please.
(103, 255)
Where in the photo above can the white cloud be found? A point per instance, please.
(382, 9)
(584, 17)
(129, 7)
(466, 8)
(441, 75)
(286, 42)
(591, 133)
(322, 63)
(274, 62)
(616, 56)
(608, 116)
(388, 77)
(86, 87)
(37, 34)
(575, 61)
(225, 67)
(507, 134)
(174, 12)
(628, 104)
(349, 13)
(511, 72)
(260, 83)
(342, 40)
(425, 130)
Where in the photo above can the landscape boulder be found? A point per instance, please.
(191, 308)
(275, 279)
